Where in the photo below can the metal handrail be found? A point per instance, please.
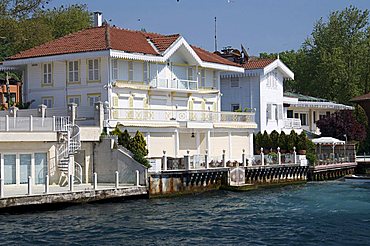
(78, 171)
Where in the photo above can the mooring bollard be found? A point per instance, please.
(1, 188)
(71, 182)
(137, 178)
(117, 179)
(46, 184)
(95, 178)
(29, 185)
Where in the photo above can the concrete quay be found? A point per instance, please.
(16, 198)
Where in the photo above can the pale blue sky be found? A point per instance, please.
(260, 25)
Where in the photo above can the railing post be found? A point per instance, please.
(295, 155)
(7, 123)
(99, 114)
(187, 160)
(53, 124)
(262, 157)
(46, 184)
(71, 181)
(279, 155)
(31, 123)
(243, 159)
(206, 159)
(95, 179)
(164, 161)
(1, 188)
(29, 185)
(137, 178)
(72, 108)
(117, 179)
(223, 158)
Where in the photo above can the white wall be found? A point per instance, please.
(59, 88)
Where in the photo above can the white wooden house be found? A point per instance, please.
(158, 84)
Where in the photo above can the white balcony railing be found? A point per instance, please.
(292, 123)
(181, 115)
(180, 84)
(33, 124)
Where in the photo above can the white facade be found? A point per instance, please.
(258, 89)
(173, 99)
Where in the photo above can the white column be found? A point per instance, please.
(230, 145)
(177, 143)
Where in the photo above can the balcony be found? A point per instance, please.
(163, 115)
(178, 84)
(292, 123)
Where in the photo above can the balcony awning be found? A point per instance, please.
(327, 141)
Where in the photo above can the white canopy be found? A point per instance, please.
(327, 140)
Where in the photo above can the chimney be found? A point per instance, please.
(98, 18)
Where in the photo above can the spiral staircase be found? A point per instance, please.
(69, 144)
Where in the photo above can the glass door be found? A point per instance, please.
(41, 167)
(9, 169)
(25, 167)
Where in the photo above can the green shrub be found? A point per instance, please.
(274, 136)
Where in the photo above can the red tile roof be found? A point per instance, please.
(108, 37)
(211, 57)
(257, 63)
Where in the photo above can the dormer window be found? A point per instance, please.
(73, 72)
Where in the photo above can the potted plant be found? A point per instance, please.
(292, 141)
(266, 142)
(282, 142)
(274, 136)
(302, 143)
(257, 143)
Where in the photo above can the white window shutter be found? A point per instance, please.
(280, 112)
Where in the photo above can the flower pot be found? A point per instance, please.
(302, 152)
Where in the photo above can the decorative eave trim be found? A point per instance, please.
(323, 105)
(288, 74)
(135, 56)
(63, 57)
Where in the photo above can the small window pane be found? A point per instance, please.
(9, 169)
(25, 167)
(41, 167)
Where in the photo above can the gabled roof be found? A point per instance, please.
(113, 38)
(257, 63)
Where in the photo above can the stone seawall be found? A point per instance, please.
(174, 183)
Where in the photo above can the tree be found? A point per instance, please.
(18, 34)
(20, 8)
(257, 142)
(342, 123)
(283, 141)
(335, 57)
(266, 141)
(138, 148)
(274, 136)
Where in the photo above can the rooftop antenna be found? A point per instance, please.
(215, 33)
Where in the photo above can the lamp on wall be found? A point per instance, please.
(192, 135)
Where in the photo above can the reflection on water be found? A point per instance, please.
(327, 213)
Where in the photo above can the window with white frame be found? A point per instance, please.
(146, 70)
(214, 80)
(304, 119)
(47, 72)
(93, 98)
(130, 71)
(234, 82)
(115, 69)
(74, 99)
(190, 73)
(48, 101)
(202, 78)
(93, 70)
(73, 71)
